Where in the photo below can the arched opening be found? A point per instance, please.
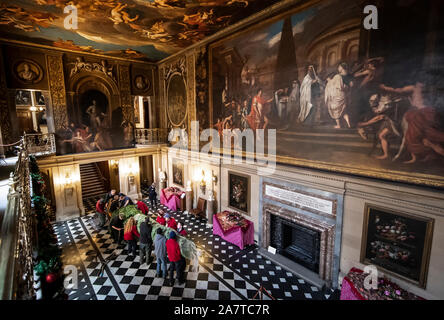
(93, 109)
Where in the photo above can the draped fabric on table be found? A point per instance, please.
(171, 198)
(353, 289)
(237, 235)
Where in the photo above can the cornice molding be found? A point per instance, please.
(64, 50)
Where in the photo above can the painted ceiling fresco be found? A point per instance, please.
(138, 29)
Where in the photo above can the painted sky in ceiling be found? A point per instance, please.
(138, 29)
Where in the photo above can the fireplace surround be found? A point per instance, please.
(299, 233)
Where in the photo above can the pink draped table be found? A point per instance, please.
(237, 235)
(170, 199)
(352, 289)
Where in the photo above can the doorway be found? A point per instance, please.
(146, 172)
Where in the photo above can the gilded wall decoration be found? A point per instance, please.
(191, 105)
(27, 71)
(125, 93)
(201, 70)
(58, 93)
(5, 115)
(80, 65)
(176, 93)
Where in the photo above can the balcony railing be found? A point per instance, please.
(16, 235)
(151, 136)
(40, 144)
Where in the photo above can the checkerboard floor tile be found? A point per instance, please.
(225, 272)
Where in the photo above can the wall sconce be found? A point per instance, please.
(115, 165)
(33, 109)
(68, 186)
(213, 177)
(203, 184)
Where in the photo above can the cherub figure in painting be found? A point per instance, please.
(118, 15)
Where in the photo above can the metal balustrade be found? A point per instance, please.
(40, 144)
(151, 136)
(17, 234)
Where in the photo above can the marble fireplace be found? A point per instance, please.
(301, 230)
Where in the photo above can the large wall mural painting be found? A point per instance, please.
(135, 29)
(342, 98)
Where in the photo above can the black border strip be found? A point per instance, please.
(81, 264)
(99, 255)
(222, 280)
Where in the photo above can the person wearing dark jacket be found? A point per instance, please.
(125, 200)
(176, 259)
(110, 195)
(116, 227)
(153, 196)
(146, 242)
(161, 253)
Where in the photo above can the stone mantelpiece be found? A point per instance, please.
(312, 208)
(327, 231)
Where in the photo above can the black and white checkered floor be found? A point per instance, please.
(107, 272)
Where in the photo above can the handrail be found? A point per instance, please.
(100, 172)
(16, 235)
(40, 144)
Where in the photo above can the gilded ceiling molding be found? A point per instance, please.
(62, 50)
(58, 92)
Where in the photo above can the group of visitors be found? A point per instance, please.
(164, 249)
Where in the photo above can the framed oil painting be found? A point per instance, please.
(341, 98)
(178, 172)
(23, 98)
(40, 98)
(239, 192)
(397, 243)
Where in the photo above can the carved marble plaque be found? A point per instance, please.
(295, 198)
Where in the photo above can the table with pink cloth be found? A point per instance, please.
(353, 289)
(237, 235)
(170, 197)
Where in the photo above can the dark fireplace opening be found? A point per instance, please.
(296, 242)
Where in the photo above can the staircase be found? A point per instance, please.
(92, 181)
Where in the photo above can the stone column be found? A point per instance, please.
(189, 197)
